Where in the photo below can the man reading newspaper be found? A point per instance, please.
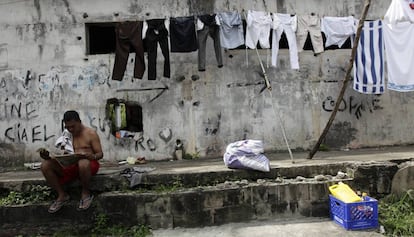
(86, 149)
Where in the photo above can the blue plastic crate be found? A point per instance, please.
(355, 215)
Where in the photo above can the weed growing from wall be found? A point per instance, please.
(102, 228)
(34, 194)
(396, 214)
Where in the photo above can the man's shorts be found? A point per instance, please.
(71, 173)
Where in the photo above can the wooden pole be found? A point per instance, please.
(346, 80)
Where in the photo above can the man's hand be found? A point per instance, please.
(44, 154)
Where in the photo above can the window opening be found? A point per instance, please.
(125, 117)
(100, 38)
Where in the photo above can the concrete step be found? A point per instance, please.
(204, 192)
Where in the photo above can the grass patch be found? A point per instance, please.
(396, 214)
(102, 229)
(34, 194)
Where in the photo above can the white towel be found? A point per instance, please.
(65, 141)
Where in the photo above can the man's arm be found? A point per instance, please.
(96, 145)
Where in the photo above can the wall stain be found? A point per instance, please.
(264, 5)
(66, 3)
(38, 9)
(340, 135)
(40, 47)
(201, 7)
(281, 6)
(135, 7)
(39, 31)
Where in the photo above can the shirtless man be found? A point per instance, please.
(87, 146)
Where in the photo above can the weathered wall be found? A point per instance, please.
(44, 70)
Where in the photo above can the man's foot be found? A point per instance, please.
(85, 203)
(57, 205)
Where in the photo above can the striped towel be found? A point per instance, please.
(369, 60)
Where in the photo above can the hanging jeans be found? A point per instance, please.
(157, 34)
(212, 29)
(128, 34)
(309, 24)
(183, 38)
(287, 24)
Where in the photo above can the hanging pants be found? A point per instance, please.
(157, 34)
(212, 29)
(309, 24)
(128, 34)
(285, 26)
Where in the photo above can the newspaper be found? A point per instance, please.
(65, 159)
(62, 158)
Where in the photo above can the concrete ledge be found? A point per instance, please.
(208, 196)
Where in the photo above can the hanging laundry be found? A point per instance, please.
(288, 24)
(400, 11)
(207, 26)
(398, 40)
(309, 24)
(183, 38)
(369, 60)
(128, 34)
(258, 29)
(231, 29)
(338, 29)
(157, 33)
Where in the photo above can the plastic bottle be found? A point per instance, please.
(344, 193)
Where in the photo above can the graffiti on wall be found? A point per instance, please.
(23, 93)
(212, 125)
(22, 113)
(353, 105)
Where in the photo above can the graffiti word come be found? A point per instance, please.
(352, 105)
(18, 133)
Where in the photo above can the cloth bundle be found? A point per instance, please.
(246, 154)
(65, 142)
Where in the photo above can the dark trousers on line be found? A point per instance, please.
(214, 32)
(128, 34)
(157, 34)
(183, 38)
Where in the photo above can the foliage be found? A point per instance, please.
(102, 229)
(396, 214)
(34, 194)
(161, 188)
(188, 156)
(323, 147)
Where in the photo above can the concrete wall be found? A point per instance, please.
(44, 70)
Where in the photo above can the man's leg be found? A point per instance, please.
(85, 176)
(52, 171)
(87, 168)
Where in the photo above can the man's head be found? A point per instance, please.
(72, 122)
